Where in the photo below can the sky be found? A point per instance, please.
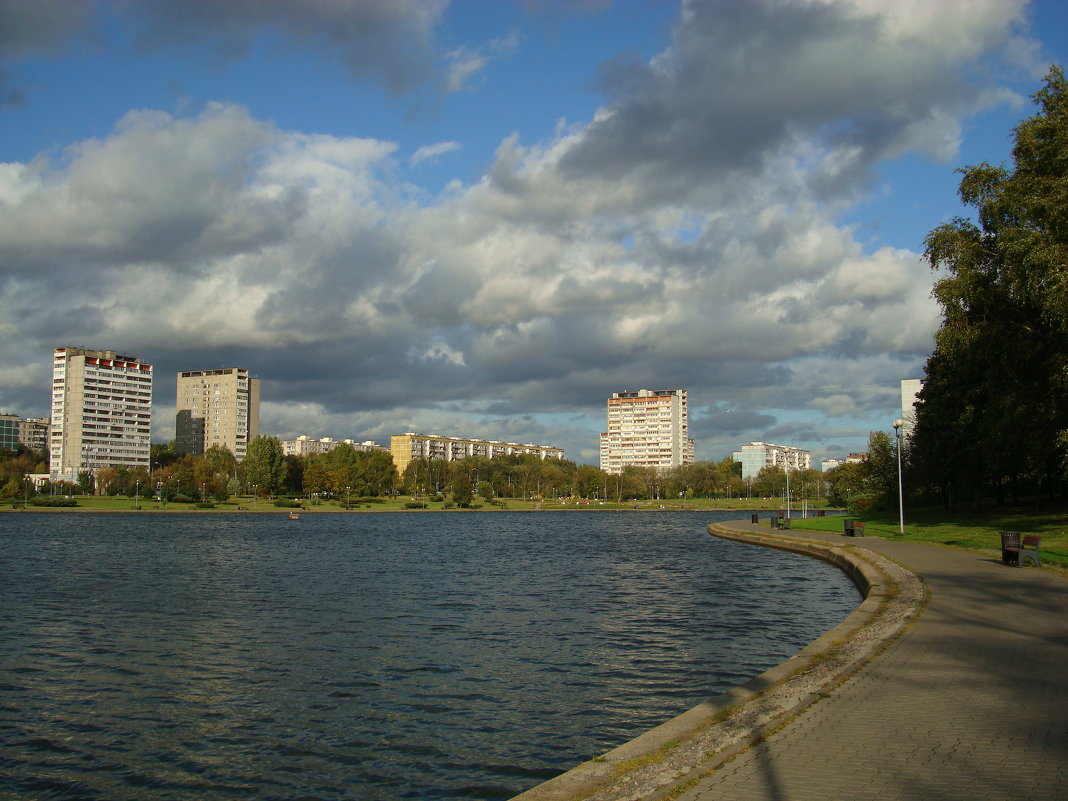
(480, 218)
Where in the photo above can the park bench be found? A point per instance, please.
(852, 528)
(1017, 551)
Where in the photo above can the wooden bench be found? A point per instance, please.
(852, 528)
(1017, 551)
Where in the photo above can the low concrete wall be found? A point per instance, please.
(714, 731)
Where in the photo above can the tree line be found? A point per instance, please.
(347, 473)
(992, 421)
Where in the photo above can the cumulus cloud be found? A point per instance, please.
(685, 236)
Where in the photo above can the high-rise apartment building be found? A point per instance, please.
(910, 396)
(217, 407)
(101, 411)
(648, 428)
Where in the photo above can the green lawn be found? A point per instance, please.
(965, 529)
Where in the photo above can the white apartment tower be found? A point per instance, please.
(648, 428)
(101, 411)
(217, 407)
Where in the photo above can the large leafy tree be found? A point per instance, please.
(994, 408)
(265, 464)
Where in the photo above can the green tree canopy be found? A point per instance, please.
(265, 464)
(993, 411)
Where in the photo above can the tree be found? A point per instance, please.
(462, 492)
(265, 464)
(1000, 355)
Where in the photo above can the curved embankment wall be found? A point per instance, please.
(698, 741)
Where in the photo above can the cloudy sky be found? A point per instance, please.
(482, 217)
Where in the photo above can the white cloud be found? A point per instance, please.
(433, 152)
(686, 236)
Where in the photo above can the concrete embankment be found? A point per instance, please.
(676, 753)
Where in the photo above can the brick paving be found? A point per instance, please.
(970, 703)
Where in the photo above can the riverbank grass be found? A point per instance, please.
(977, 531)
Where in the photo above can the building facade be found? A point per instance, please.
(30, 432)
(406, 447)
(34, 433)
(306, 446)
(9, 432)
(101, 411)
(216, 407)
(757, 455)
(647, 428)
(910, 396)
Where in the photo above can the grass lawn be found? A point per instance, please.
(964, 528)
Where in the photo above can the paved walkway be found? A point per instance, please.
(970, 703)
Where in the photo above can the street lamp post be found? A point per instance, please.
(900, 491)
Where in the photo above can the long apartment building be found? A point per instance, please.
(101, 411)
(30, 432)
(308, 446)
(406, 447)
(216, 407)
(757, 455)
(647, 428)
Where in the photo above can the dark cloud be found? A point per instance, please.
(394, 41)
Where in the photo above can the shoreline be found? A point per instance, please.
(678, 752)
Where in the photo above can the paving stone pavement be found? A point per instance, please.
(970, 703)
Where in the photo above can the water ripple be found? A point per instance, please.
(370, 656)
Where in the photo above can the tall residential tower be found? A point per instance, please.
(217, 407)
(648, 428)
(101, 411)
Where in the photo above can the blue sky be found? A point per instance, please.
(482, 218)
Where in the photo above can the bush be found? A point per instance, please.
(205, 505)
(415, 505)
(286, 503)
(180, 498)
(52, 500)
(861, 504)
(370, 500)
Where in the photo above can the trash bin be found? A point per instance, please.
(754, 518)
(1010, 539)
(849, 527)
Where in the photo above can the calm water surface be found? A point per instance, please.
(370, 656)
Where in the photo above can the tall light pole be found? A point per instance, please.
(900, 491)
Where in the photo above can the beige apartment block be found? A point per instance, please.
(406, 447)
(307, 446)
(101, 411)
(647, 428)
(216, 407)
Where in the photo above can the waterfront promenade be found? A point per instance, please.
(969, 700)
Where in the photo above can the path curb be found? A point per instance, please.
(694, 744)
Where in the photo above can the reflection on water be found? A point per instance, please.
(370, 656)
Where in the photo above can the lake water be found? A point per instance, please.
(370, 656)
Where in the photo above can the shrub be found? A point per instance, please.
(286, 503)
(52, 500)
(180, 498)
(861, 504)
(205, 505)
(415, 505)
